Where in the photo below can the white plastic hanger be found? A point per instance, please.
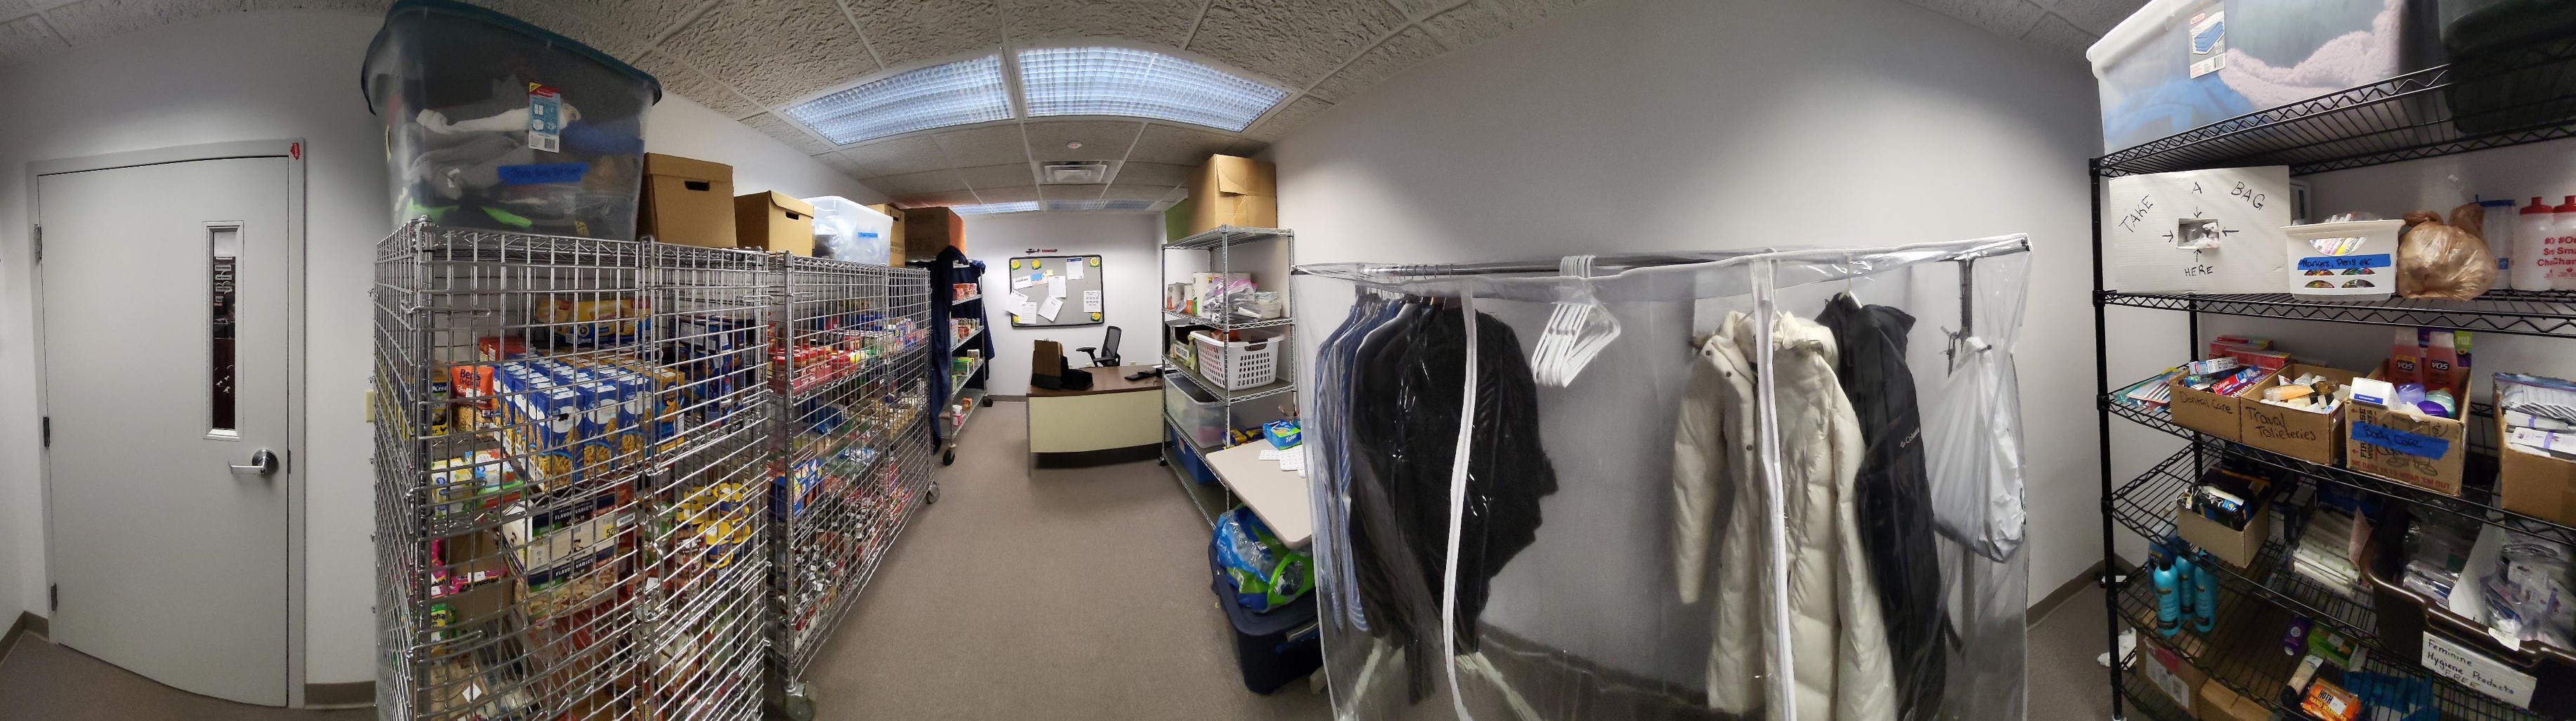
(1577, 331)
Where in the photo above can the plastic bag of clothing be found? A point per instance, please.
(1695, 525)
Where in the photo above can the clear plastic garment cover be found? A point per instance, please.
(1787, 487)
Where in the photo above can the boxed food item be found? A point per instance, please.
(772, 221)
(686, 201)
(1228, 190)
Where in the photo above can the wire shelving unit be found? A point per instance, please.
(1268, 251)
(2525, 98)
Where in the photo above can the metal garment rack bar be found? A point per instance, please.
(577, 447)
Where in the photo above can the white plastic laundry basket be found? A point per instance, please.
(1237, 365)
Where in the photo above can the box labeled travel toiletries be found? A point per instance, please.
(2301, 434)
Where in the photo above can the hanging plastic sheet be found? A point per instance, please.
(1729, 511)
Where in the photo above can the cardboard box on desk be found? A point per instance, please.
(2311, 437)
(2210, 413)
(1228, 190)
(689, 202)
(773, 221)
(2532, 484)
(2237, 547)
(2404, 446)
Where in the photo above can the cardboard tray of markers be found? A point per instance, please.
(2409, 620)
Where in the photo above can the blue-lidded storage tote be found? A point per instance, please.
(1273, 647)
(493, 123)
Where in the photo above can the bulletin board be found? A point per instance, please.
(1037, 281)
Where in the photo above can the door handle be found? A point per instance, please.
(261, 463)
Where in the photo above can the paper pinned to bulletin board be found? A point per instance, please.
(1046, 287)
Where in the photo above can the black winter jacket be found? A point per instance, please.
(1894, 497)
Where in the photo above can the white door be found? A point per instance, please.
(163, 301)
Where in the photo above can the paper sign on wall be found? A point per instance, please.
(1073, 271)
(2201, 231)
(1055, 288)
(1091, 301)
(1049, 308)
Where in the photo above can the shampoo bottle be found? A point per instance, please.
(2168, 602)
(2183, 591)
(2405, 359)
(2441, 363)
(2204, 610)
(2531, 229)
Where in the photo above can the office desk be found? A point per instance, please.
(1113, 414)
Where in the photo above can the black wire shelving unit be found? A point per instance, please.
(2525, 95)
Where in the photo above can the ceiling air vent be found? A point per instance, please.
(1076, 172)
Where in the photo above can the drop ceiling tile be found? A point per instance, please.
(914, 183)
(1403, 50)
(897, 155)
(1072, 192)
(925, 200)
(1158, 22)
(1294, 42)
(909, 31)
(25, 37)
(1122, 191)
(2058, 36)
(774, 51)
(1101, 139)
(989, 145)
(840, 164)
(787, 132)
(680, 79)
(2094, 16)
(643, 20)
(1481, 20)
(1287, 119)
(1140, 173)
(568, 23)
(2010, 18)
(90, 21)
(1177, 145)
(998, 176)
(11, 9)
(1016, 194)
(368, 6)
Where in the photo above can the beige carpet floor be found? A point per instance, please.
(1080, 593)
(41, 681)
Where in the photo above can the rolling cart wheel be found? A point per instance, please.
(932, 496)
(800, 701)
(987, 401)
(948, 457)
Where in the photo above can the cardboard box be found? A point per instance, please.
(2166, 671)
(686, 201)
(1234, 191)
(2236, 547)
(2533, 484)
(2208, 412)
(772, 221)
(930, 230)
(2311, 437)
(894, 245)
(2411, 448)
(2217, 703)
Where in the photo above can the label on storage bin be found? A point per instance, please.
(2486, 675)
(2344, 262)
(543, 173)
(2413, 444)
(545, 118)
(2208, 42)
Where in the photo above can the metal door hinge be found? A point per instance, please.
(40, 243)
(53, 597)
(48, 432)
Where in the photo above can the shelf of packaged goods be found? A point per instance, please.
(961, 342)
(2531, 90)
(807, 387)
(2477, 501)
(2146, 505)
(2511, 312)
(1230, 397)
(967, 299)
(1227, 235)
(970, 399)
(2242, 653)
(1177, 319)
(957, 381)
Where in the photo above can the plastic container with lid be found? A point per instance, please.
(494, 123)
(2496, 227)
(2558, 251)
(2353, 260)
(2176, 65)
(846, 230)
(2531, 229)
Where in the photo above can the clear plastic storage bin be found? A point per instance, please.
(1196, 415)
(494, 123)
(846, 230)
(2177, 65)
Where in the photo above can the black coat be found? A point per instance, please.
(1893, 497)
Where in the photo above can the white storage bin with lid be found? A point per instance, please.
(846, 230)
(1236, 365)
(1199, 417)
(2354, 260)
(2176, 65)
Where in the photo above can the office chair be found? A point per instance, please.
(1107, 358)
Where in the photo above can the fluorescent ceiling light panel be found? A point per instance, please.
(1140, 84)
(1061, 205)
(991, 208)
(958, 93)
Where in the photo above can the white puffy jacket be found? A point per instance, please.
(1841, 665)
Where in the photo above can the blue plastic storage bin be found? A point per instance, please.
(2178, 65)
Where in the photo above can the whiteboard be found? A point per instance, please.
(1052, 291)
